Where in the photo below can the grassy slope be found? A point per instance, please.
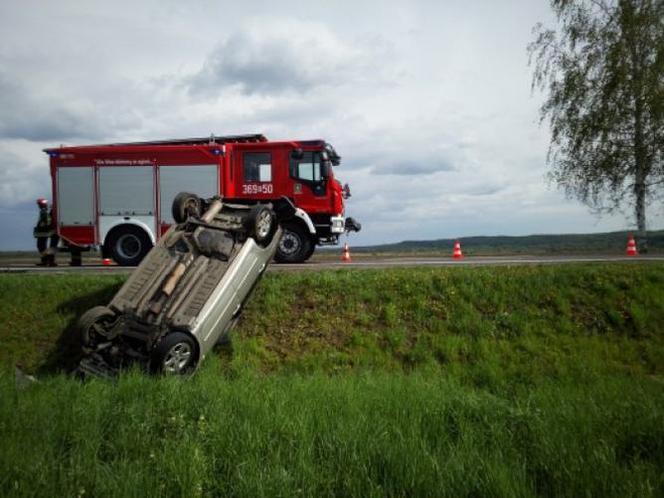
(501, 381)
(473, 321)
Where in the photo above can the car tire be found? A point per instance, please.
(263, 225)
(92, 325)
(176, 354)
(128, 245)
(295, 245)
(184, 206)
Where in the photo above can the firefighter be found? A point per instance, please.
(44, 232)
(75, 252)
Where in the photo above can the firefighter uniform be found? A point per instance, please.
(44, 232)
(76, 259)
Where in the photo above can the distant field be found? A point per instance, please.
(402, 382)
(594, 243)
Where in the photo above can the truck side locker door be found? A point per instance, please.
(201, 179)
(127, 209)
(75, 203)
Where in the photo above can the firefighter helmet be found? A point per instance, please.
(41, 202)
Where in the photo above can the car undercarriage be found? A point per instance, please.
(187, 293)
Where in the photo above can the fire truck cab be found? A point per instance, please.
(117, 196)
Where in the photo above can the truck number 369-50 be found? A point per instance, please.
(257, 188)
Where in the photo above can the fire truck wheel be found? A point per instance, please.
(295, 245)
(185, 205)
(128, 244)
(263, 224)
(174, 355)
(312, 248)
(94, 325)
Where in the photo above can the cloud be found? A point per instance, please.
(414, 166)
(428, 103)
(51, 111)
(274, 56)
(16, 223)
(21, 179)
(412, 147)
(27, 115)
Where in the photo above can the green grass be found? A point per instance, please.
(378, 434)
(409, 382)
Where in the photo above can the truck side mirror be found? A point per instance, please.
(297, 154)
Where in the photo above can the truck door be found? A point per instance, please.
(309, 185)
(253, 174)
(308, 174)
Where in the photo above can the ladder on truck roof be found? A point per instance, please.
(212, 139)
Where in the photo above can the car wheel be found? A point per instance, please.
(129, 244)
(263, 224)
(175, 354)
(184, 206)
(94, 325)
(295, 244)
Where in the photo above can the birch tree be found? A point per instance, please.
(602, 71)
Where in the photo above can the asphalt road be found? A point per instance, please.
(364, 263)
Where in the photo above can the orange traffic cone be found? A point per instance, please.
(631, 246)
(345, 256)
(457, 254)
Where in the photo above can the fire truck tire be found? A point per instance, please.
(185, 205)
(311, 250)
(128, 244)
(295, 245)
(262, 224)
(176, 354)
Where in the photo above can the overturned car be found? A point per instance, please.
(188, 292)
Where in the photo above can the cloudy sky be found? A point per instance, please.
(429, 103)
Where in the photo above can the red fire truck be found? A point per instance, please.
(118, 197)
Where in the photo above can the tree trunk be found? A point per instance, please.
(641, 166)
(641, 171)
(640, 212)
